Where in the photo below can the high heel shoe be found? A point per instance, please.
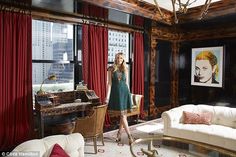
(131, 139)
(118, 136)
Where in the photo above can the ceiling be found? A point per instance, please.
(147, 8)
(167, 4)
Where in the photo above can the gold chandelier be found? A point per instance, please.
(182, 8)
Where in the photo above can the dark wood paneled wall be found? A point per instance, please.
(152, 106)
(208, 95)
(175, 74)
(183, 38)
(167, 34)
(225, 30)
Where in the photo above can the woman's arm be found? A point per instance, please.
(126, 76)
(109, 82)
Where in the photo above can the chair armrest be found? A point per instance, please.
(136, 100)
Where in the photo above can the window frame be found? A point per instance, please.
(71, 61)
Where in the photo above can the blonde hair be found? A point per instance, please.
(208, 55)
(122, 67)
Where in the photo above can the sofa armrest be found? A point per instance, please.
(169, 119)
(174, 116)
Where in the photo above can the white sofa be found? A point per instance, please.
(73, 144)
(221, 132)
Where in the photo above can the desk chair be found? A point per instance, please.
(92, 126)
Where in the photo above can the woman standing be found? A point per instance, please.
(118, 94)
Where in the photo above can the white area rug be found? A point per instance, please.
(114, 149)
(143, 130)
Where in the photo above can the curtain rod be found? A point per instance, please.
(120, 28)
(112, 26)
(94, 22)
(79, 19)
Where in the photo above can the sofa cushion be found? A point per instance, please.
(57, 151)
(197, 118)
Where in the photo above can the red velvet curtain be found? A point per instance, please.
(85, 48)
(138, 68)
(138, 20)
(93, 11)
(15, 78)
(95, 55)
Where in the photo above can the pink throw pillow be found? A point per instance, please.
(197, 118)
(57, 151)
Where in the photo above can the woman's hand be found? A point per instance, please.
(106, 101)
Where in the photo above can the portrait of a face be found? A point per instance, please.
(204, 71)
(207, 66)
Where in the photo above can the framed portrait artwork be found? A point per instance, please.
(207, 66)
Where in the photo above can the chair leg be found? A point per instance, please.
(95, 144)
(102, 139)
(137, 118)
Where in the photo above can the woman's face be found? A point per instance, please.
(119, 59)
(203, 70)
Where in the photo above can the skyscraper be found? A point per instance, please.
(41, 49)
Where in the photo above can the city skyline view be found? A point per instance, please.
(52, 53)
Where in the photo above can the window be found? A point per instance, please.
(52, 53)
(118, 42)
(78, 56)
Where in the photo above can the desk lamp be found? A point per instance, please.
(51, 77)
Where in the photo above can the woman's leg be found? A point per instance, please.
(126, 127)
(118, 136)
(123, 120)
(121, 125)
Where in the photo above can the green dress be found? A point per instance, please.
(120, 97)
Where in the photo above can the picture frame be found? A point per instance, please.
(207, 67)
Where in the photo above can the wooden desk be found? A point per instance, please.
(65, 108)
(60, 110)
(64, 104)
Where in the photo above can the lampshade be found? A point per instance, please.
(50, 77)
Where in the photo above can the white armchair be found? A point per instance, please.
(136, 102)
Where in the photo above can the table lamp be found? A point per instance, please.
(51, 77)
